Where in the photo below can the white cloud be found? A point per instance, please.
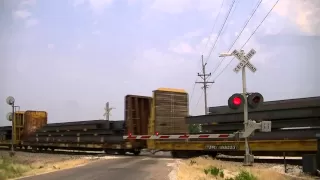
(79, 46)
(193, 34)
(50, 46)
(182, 48)
(180, 6)
(157, 62)
(28, 2)
(31, 22)
(96, 32)
(78, 2)
(97, 6)
(131, 2)
(22, 14)
(304, 14)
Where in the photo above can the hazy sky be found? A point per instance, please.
(69, 57)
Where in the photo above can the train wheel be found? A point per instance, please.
(108, 151)
(136, 152)
(33, 149)
(121, 152)
(174, 154)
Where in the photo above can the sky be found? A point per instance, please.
(70, 57)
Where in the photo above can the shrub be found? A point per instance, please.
(214, 171)
(245, 175)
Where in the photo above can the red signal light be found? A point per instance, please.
(130, 134)
(157, 134)
(237, 101)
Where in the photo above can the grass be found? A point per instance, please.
(216, 172)
(10, 169)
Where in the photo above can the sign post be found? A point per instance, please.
(244, 62)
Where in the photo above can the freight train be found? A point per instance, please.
(160, 123)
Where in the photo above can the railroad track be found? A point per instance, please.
(270, 160)
(267, 160)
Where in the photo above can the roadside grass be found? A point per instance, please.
(205, 168)
(217, 172)
(11, 169)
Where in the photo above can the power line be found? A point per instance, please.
(243, 28)
(209, 38)
(214, 25)
(199, 99)
(248, 38)
(226, 19)
(224, 23)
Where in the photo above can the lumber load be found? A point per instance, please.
(171, 108)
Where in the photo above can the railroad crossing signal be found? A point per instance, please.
(10, 100)
(9, 116)
(244, 60)
(237, 100)
(245, 100)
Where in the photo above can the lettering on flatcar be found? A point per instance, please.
(221, 147)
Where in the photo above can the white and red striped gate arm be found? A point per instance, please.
(193, 136)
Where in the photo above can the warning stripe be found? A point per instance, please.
(193, 136)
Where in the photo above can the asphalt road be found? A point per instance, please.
(124, 168)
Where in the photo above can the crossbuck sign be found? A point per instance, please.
(244, 60)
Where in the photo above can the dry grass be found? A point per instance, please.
(26, 164)
(194, 169)
(10, 169)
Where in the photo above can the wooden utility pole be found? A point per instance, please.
(205, 83)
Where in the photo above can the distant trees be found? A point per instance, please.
(194, 128)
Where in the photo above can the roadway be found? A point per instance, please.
(124, 168)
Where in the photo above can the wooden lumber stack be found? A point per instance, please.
(171, 108)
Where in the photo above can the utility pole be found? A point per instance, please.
(205, 83)
(107, 111)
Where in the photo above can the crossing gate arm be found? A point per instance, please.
(193, 136)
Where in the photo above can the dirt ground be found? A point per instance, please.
(26, 164)
(194, 169)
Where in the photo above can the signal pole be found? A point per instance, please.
(205, 83)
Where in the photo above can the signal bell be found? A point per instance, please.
(236, 101)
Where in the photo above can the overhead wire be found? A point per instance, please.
(249, 38)
(243, 28)
(208, 40)
(220, 31)
(224, 23)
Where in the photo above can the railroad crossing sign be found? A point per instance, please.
(244, 60)
(107, 111)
